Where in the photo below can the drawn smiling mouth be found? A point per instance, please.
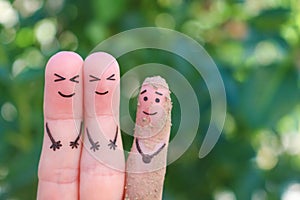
(101, 93)
(146, 113)
(66, 95)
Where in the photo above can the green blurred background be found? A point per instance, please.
(255, 44)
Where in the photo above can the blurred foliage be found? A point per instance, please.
(255, 44)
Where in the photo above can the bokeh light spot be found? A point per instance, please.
(165, 20)
(169, 3)
(54, 6)
(28, 7)
(7, 35)
(292, 192)
(224, 195)
(8, 112)
(266, 158)
(259, 195)
(25, 37)
(68, 41)
(45, 31)
(18, 66)
(8, 15)
(266, 53)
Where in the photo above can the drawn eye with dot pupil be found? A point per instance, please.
(145, 98)
(157, 100)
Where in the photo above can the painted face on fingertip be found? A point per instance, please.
(153, 111)
(63, 86)
(101, 84)
(59, 78)
(103, 90)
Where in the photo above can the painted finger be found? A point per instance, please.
(102, 161)
(59, 162)
(146, 164)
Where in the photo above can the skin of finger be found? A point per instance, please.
(102, 170)
(145, 180)
(59, 170)
(67, 65)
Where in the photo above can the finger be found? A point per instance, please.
(146, 164)
(59, 162)
(102, 161)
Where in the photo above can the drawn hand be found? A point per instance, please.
(55, 145)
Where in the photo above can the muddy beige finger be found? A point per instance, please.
(102, 162)
(146, 164)
(59, 162)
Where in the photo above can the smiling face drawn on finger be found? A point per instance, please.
(108, 86)
(59, 78)
(101, 84)
(63, 86)
(153, 108)
(146, 98)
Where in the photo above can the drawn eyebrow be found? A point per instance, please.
(73, 79)
(60, 78)
(143, 91)
(94, 78)
(111, 77)
(158, 93)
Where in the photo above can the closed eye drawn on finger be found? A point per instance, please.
(74, 79)
(147, 157)
(111, 77)
(60, 78)
(55, 144)
(95, 145)
(94, 78)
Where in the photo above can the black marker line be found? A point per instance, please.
(147, 157)
(73, 79)
(60, 77)
(66, 95)
(143, 91)
(158, 93)
(95, 145)
(111, 77)
(74, 144)
(55, 144)
(101, 93)
(146, 113)
(159, 150)
(94, 78)
(112, 144)
(138, 147)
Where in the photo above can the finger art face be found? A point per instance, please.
(107, 84)
(101, 84)
(153, 108)
(61, 78)
(63, 86)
